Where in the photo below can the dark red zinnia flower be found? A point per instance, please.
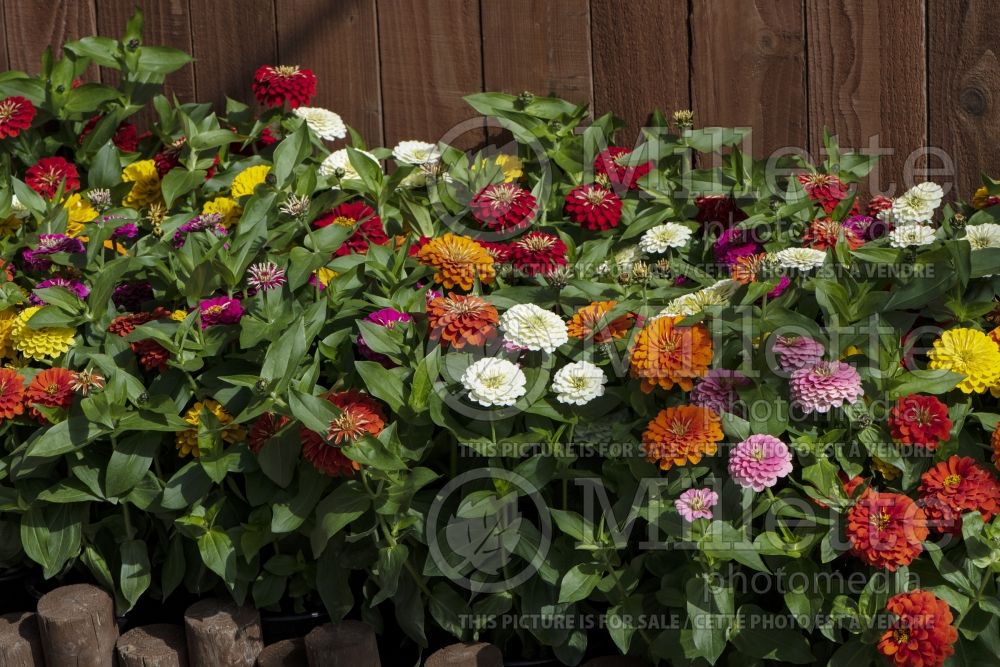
(16, 114)
(500, 252)
(613, 164)
(826, 189)
(365, 221)
(360, 415)
(264, 428)
(718, 209)
(594, 207)
(538, 253)
(273, 86)
(955, 486)
(152, 356)
(504, 207)
(126, 137)
(877, 204)
(45, 176)
(52, 388)
(920, 420)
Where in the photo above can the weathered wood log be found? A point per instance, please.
(78, 628)
(344, 644)
(466, 655)
(286, 653)
(221, 633)
(158, 645)
(615, 661)
(20, 641)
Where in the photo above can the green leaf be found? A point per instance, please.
(188, 485)
(64, 437)
(290, 510)
(388, 567)
(710, 609)
(384, 383)
(579, 582)
(345, 504)
(162, 59)
(291, 152)
(135, 573)
(131, 458)
(105, 168)
(50, 534)
(279, 457)
(773, 643)
(928, 381)
(179, 182)
(219, 554)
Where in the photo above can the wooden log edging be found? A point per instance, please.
(157, 645)
(77, 627)
(466, 655)
(344, 644)
(286, 653)
(20, 641)
(221, 633)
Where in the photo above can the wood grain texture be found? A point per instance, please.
(640, 56)
(230, 42)
(33, 25)
(748, 69)
(4, 62)
(339, 42)
(867, 82)
(964, 88)
(431, 57)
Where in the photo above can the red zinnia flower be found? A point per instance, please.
(922, 635)
(45, 176)
(886, 530)
(877, 204)
(504, 206)
(126, 137)
(594, 207)
(11, 393)
(360, 415)
(275, 85)
(500, 252)
(956, 486)
(264, 428)
(718, 209)
(16, 114)
(538, 253)
(52, 388)
(823, 234)
(920, 420)
(125, 324)
(350, 214)
(613, 163)
(152, 355)
(826, 189)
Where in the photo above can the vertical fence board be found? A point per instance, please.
(4, 63)
(340, 44)
(33, 25)
(231, 38)
(749, 70)
(867, 81)
(431, 54)
(964, 84)
(641, 55)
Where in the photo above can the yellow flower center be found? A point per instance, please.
(344, 221)
(901, 635)
(952, 480)
(881, 520)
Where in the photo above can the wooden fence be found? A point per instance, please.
(900, 74)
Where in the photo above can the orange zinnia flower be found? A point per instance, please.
(995, 441)
(886, 530)
(681, 435)
(955, 486)
(589, 322)
(666, 354)
(11, 393)
(823, 233)
(458, 260)
(52, 388)
(747, 268)
(459, 320)
(922, 635)
(360, 415)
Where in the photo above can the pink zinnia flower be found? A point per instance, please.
(828, 384)
(696, 504)
(220, 310)
(265, 276)
(795, 352)
(717, 390)
(759, 462)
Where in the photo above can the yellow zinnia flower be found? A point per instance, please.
(178, 315)
(248, 180)
(6, 324)
(971, 353)
(510, 165)
(146, 188)
(226, 207)
(325, 275)
(187, 441)
(10, 225)
(39, 343)
(80, 213)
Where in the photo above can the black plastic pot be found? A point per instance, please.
(277, 626)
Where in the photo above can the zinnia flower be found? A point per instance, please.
(538, 253)
(16, 114)
(971, 353)
(983, 235)
(982, 198)
(40, 343)
(579, 383)
(955, 486)
(681, 435)
(51, 388)
(994, 443)
(803, 259)
(46, 175)
(11, 394)
(534, 328)
(338, 164)
(593, 207)
(877, 204)
(716, 295)
(717, 390)
(734, 243)
(828, 384)
(922, 634)
(920, 420)
(458, 261)
(823, 234)
(661, 238)
(908, 235)
(247, 180)
(613, 163)
(274, 85)
(917, 205)
(265, 276)
(228, 210)
(494, 381)
(590, 322)
(825, 189)
(504, 207)
(145, 181)
(666, 354)
(360, 415)
(324, 123)
(131, 296)
(361, 216)
(759, 462)
(220, 310)
(795, 352)
(79, 212)
(263, 429)
(74, 286)
(886, 530)
(866, 227)
(458, 320)
(718, 209)
(187, 440)
(696, 504)
(416, 153)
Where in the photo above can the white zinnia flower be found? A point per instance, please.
(534, 328)
(579, 383)
(340, 160)
(662, 237)
(985, 235)
(624, 259)
(686, 305)
(494, 382)
(416, 152)
(907, 235)
(323, 122)
(917, 204)
(804, 259)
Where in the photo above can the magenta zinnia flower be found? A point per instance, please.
(696, 504)
(49, 244)
(828, 384)
(795, 352)
(131, 296)
(127, 231)
(717, 390)
(759, 462)
(220, 310)
(734, 243)
(386, 317)
(74, 286)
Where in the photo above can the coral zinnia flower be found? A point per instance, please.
(145, 184)
(538, 253)
(41, 343)
(613, 163)
(458, 320)
(666, 354)
(187, 441)
(823, 233)
(920, 420)
(458, 260)
(16, 114)
(681, 435)
(11, 393)
(360, 415)
(922, 635)
(504, 206)
(264, 428)
(956, 486)
(971, 353)
(273, 85)
(886, 530)
(46, 175)
(52, 388)
(594, 207)
(355, 214)
(585, 322)
(826, 189)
